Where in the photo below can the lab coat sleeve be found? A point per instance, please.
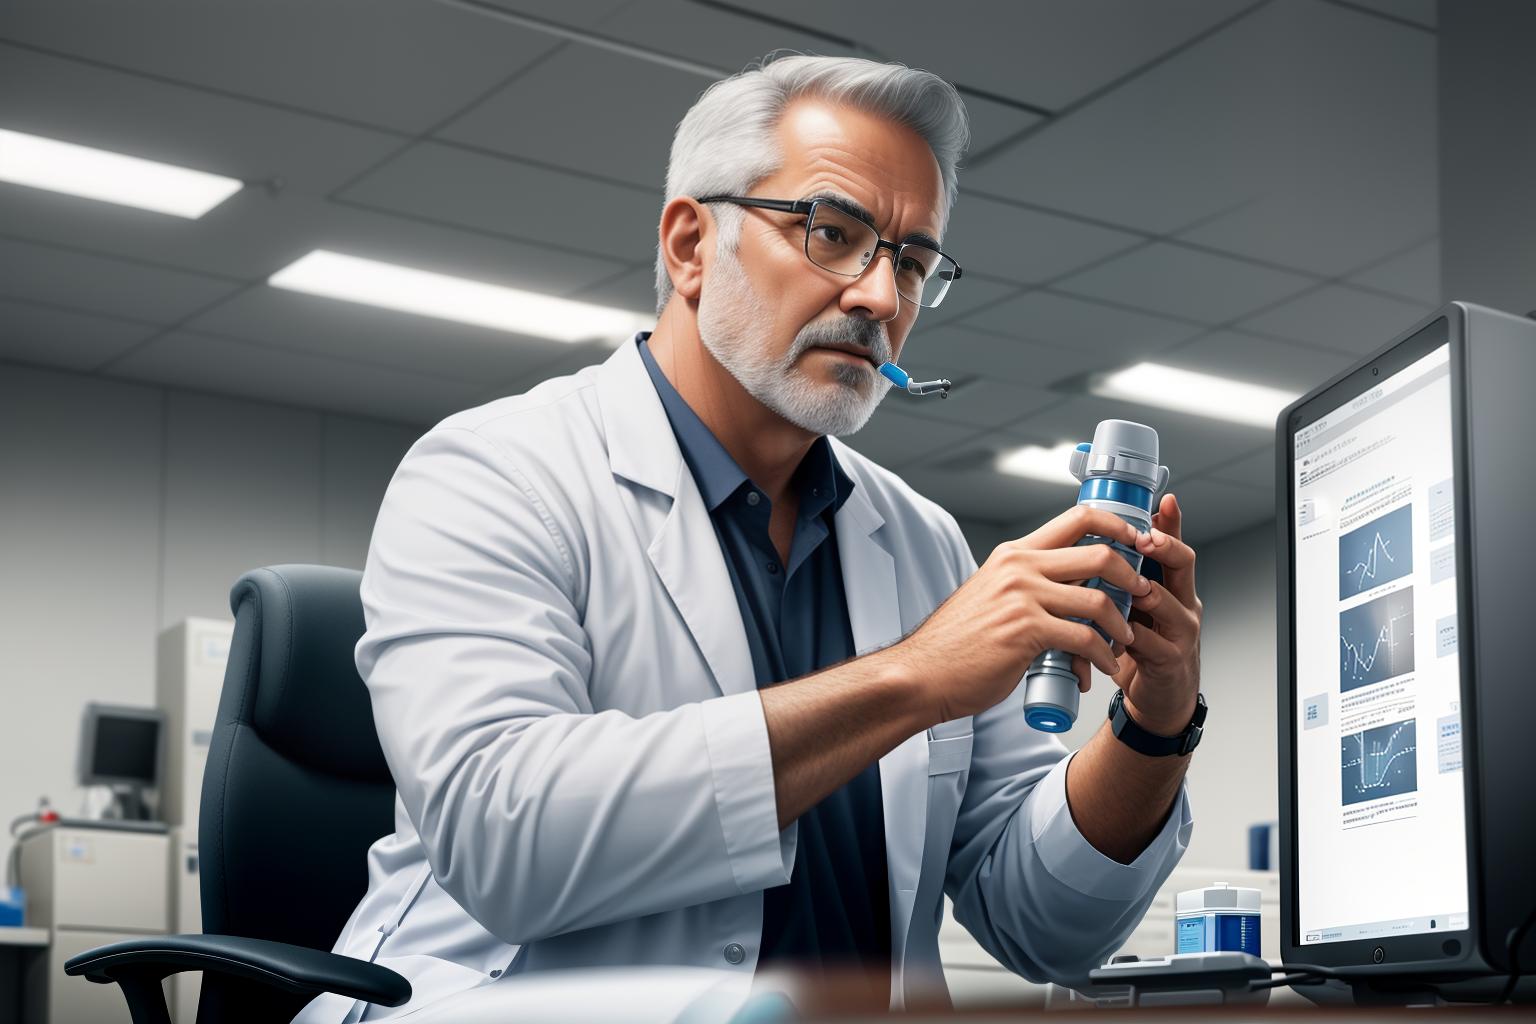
(537, 814)
(1024, 882)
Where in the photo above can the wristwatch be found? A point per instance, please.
(1143, 742)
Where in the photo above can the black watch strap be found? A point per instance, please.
(1143, 742)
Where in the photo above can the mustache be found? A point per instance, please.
(868, 334)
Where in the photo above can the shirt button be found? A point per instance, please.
(734, 954)
(773, 568)
(753, 497)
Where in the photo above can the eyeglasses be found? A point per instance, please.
(844, 244)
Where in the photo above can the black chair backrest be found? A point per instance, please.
(296, 787)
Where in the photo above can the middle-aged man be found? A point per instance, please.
(667, 675)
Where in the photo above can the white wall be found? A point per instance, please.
(126, 508)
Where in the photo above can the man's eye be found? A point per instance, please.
(911, 266)
(831, 234)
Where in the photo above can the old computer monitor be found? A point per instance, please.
(123, 748)
(1407, 706)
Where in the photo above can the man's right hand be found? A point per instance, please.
(975, 647)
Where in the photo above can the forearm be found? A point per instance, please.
(1120, 799)
(824, 729)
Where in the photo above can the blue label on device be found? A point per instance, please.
(1191, 935)
(1218, 933)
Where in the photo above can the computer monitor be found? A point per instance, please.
(1407, 716)
(123, 748)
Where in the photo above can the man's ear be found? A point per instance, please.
(687, 233)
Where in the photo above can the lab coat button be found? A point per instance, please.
(734, 954)
(753, 497)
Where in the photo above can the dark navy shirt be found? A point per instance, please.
(835, 911)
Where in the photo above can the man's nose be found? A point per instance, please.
(873, 294)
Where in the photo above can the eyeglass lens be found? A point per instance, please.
(843, 244)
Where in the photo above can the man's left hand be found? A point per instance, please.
(1160, 668)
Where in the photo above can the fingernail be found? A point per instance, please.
(1114, 667)
(1143, 585)
(1158, 536)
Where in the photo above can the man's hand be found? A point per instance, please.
(1118, 797)
(977, 645)
(1160, 667)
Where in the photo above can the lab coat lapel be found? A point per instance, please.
(874, 611)
(642, 449)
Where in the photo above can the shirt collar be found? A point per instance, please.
(821, 482)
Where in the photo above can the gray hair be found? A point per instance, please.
(726, 144)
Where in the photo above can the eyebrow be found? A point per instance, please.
(856, 209)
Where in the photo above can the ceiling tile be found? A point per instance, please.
(454, 187)
(98, 284)
(1424, 12)
(626, 109)
(1332, 229)
(895, 439)
(314, 325)
(969, 294)
(1340, 317)
(1039, 51)
(224, 366)
(253, 235)
(1291, 111)
(992, 122)
(1182, 282)
(124, 113)
(708, 34)
(1248, 357)
(961, 353)
(1414, 275)
(1357, 176)
(1065, 321)
(976, 403)
(1022, 245)
(1162, 151)
(48, 336)
(397, 63)
(634, 289)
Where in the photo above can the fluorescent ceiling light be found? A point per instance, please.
(1039, 463)
(354, 279)
(1202, 394)
(110, 177)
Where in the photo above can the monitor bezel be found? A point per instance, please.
(93, 714)
(1437, 951)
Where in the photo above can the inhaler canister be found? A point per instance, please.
(1120, 473)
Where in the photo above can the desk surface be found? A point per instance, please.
(23, 936)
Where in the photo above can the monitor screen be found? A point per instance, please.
(125, 748)
(1380, 816)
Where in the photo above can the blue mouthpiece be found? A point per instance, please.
(895, 374)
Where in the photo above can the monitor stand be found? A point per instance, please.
(128, 803)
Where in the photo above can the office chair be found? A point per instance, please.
(295, 791)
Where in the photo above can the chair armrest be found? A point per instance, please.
(139, 964)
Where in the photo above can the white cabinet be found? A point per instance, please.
(88, 886)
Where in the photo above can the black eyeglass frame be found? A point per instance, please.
(807, 208)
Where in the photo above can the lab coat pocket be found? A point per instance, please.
(949, 747)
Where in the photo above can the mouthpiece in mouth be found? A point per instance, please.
(896, 375)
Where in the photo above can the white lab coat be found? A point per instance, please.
(564, 693)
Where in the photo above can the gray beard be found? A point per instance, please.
(729, 314)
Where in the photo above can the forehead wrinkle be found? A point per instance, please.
(885, 200)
